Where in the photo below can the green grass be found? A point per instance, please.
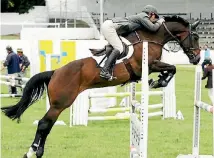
(10, 37)
(110, 139)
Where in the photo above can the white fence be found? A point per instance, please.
(37, 15)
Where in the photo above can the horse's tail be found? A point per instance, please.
(32, 92)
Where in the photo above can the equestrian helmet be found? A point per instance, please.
(151, 9)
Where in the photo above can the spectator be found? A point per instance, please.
(24, 62)
(12, 63)
(206, 55)
(208, 74)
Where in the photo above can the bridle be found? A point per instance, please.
(189, 49)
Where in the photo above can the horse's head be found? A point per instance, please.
(185, 34)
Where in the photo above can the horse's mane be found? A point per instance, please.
(176, 18)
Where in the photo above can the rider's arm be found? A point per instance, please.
(151, 26)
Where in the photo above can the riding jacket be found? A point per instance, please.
(134, 22)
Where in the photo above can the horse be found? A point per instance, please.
(66, 83)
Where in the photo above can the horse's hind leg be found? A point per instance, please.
(59, 100)
(44, 127)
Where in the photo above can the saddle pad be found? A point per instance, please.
(131, 50)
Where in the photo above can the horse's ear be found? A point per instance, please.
(195, 24)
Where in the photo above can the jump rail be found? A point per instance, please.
(14, 78)
(10, 95)
(11, 84)
(139, 127)
(198, 105)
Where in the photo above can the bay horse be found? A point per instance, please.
(66, 83)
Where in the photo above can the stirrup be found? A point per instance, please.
(112, 78)
(109, 79)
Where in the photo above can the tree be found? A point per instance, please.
(19, 6)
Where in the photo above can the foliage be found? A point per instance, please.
(20, 6)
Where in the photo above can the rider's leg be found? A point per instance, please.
(110, 34)
(106, 71)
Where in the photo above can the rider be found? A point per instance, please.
(118, 26)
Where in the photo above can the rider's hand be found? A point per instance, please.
(160, 21)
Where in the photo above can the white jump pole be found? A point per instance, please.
(12, 84)
(10, 95)
(139, 128)
(198, 105)
(213, 106)
(14, 78)
(197, 113)
(48, 68)
(144, 103)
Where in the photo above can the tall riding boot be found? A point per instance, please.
(106, 71)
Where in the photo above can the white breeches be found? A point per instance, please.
(108, 29)
(210, 94)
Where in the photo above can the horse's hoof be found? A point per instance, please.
(25, 156)
(150, 81)
(153, 84)
(39, 152)
(164, 84)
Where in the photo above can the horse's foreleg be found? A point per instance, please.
(167, 72)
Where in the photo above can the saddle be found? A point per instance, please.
(108, 49)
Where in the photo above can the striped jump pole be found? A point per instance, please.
(205, 106)
(198, 105)
(139, 127)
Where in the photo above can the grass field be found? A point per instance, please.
(10, 37)
(110, 139)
